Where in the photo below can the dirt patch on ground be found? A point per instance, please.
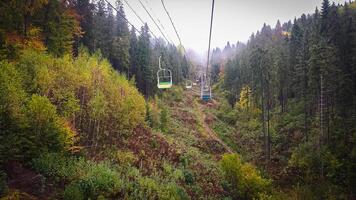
(29, 184)
(209, 131)
(210, 104)
(150, 149)
(211, 146)
(209, 119)
(185, 116)
(215, 147)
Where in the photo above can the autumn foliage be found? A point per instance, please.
(51, 104)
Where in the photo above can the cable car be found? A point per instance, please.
(164, 77)
(188, 84)
(205, 91)
(206, 94)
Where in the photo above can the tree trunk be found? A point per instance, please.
(264, 117)
(321, 137)
(268, 129)
(305, 102)
(25, 24)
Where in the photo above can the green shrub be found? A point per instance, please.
(308, 160)
(73, 192)
(149, 188)
(125, 158)
(93, 179)
(12, 94)
(12, 117)
(101, 197)
(98, 179)
(56, 166)
(3, 185)
(226, 133)
(175, 94)
(164, 120)
(173, 191)
(153, 114)
(188, 177)
(172, 173)
(245, 181)
(49, 132)
(226, 113)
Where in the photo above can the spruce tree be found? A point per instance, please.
(144, 73)
(121, 42)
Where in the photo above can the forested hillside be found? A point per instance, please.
(82, 117)
(62, 27)
(296, 83)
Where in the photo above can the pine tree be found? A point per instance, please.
(215, 64)
(111, 32)
(295, 55)
(85, 10)
(144, 73)
(100, 30)
(133, 51)
(185, 68)
(121, 43)
(60, 27)
(325, 9)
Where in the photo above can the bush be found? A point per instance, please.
(188, 177)
(126, 158)
(12, 118)
(153, 114)
(308, 160)
(49, 132)
(3, 185)
(226, 113)
(12, 94)
(98, 179)
(164, 120)
(73, 192)
(86, 178)
(245, 181)
(175, 94)
(173, 191)
(56, 166)
(149, 188)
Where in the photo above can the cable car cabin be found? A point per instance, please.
(188, 84)
(205, 89)
(205, 94)
(164, 79)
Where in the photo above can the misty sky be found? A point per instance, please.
(234, 20)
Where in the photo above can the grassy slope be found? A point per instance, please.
(199, 147)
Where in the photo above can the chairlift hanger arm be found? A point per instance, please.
(159, 62)
(211, 29)
(205, 82)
